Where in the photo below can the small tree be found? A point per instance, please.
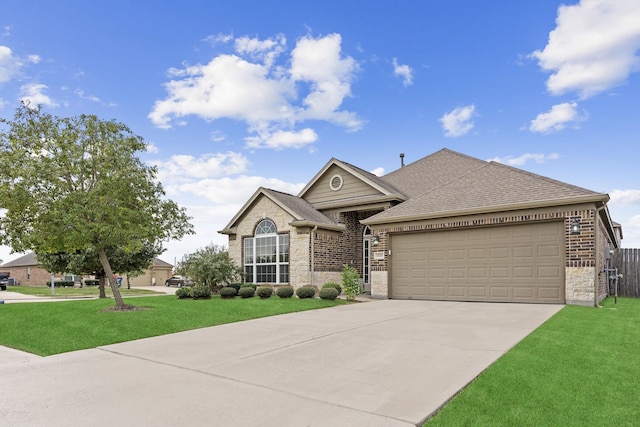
(76, 183)
(210, 266)
(350, 282)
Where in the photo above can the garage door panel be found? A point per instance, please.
(518, 263)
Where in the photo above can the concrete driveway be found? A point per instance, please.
(380, 363)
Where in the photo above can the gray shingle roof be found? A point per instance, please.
(431, 172)
(301, 209)
(31, 259)
(488, 188)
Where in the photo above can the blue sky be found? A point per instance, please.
(231, 96)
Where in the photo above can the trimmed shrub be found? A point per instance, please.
(228, 292)
(91, 282)
(235, 286)
(306, 291)
(329, 293)
(285, 291)
(249, 285)
(247, 292)
(200, 292)
(183, 293)
(61, 283)
(264, 291)
(333, 285)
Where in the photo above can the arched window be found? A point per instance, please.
(266, 255)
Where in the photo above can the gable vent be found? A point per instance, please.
(336, 182)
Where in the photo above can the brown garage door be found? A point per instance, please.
(512, 263)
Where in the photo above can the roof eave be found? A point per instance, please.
(312, 224)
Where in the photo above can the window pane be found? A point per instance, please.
(248, 273)
(266, 227)
(266, 274)
(248, 250)
(284, 247)
(284, 273)
(265, 249)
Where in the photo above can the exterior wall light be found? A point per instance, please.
(376, 240)
(574, 228)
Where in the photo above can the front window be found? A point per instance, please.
(266, 255)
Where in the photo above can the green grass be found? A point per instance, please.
(581, 368)
(91, 291)
(58, 327)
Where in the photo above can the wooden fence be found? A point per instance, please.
(627, 261)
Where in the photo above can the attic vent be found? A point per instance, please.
(336, 182)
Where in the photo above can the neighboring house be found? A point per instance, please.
(27, 271)
(446, 227)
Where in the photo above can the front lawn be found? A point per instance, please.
(51, 328)
(581, 368)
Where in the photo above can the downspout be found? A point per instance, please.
(313, 261)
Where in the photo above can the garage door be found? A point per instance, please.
(515, 263)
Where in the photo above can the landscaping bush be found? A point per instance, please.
(200, 291)
(333, 285)
(306, 291)
(264, 291)
(235, 286)
(249, 285)
(330, 293)
(351, 282)
(185, 292)
(285, 291)
(61, 283)
(228, 292)
(91, 282)
(246, 292)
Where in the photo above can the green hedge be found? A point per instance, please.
(246, 292)
(329, 293)
(264, 291)
(306, 291)
(228, 292)
(333, 285)
(285, 291)
(61, 283)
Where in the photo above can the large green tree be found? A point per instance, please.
(76, 183)
(210, 266)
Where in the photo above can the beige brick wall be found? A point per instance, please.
(264, 208)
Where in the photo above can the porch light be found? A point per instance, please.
(574, 228)
(376, 240)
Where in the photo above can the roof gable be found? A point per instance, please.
(303, 212)
(340, 184)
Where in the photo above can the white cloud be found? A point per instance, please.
(184, 167)
(33, 95)
(521, 160)
(34, 59)
(378, 171)
(80, 93)
(214, 39)
(265, 51)
(593, 47)
(262, 94)
(556, 119)
(281, 139)
(152, 148)
(625, 197)
(9, 64)
(403, 71)
(458, 122)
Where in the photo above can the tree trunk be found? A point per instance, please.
(112, 280)
(101, 280)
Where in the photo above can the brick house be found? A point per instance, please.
(446, 227)
(27, 271)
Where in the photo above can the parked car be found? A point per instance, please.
(175, 281)
(4, 281)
